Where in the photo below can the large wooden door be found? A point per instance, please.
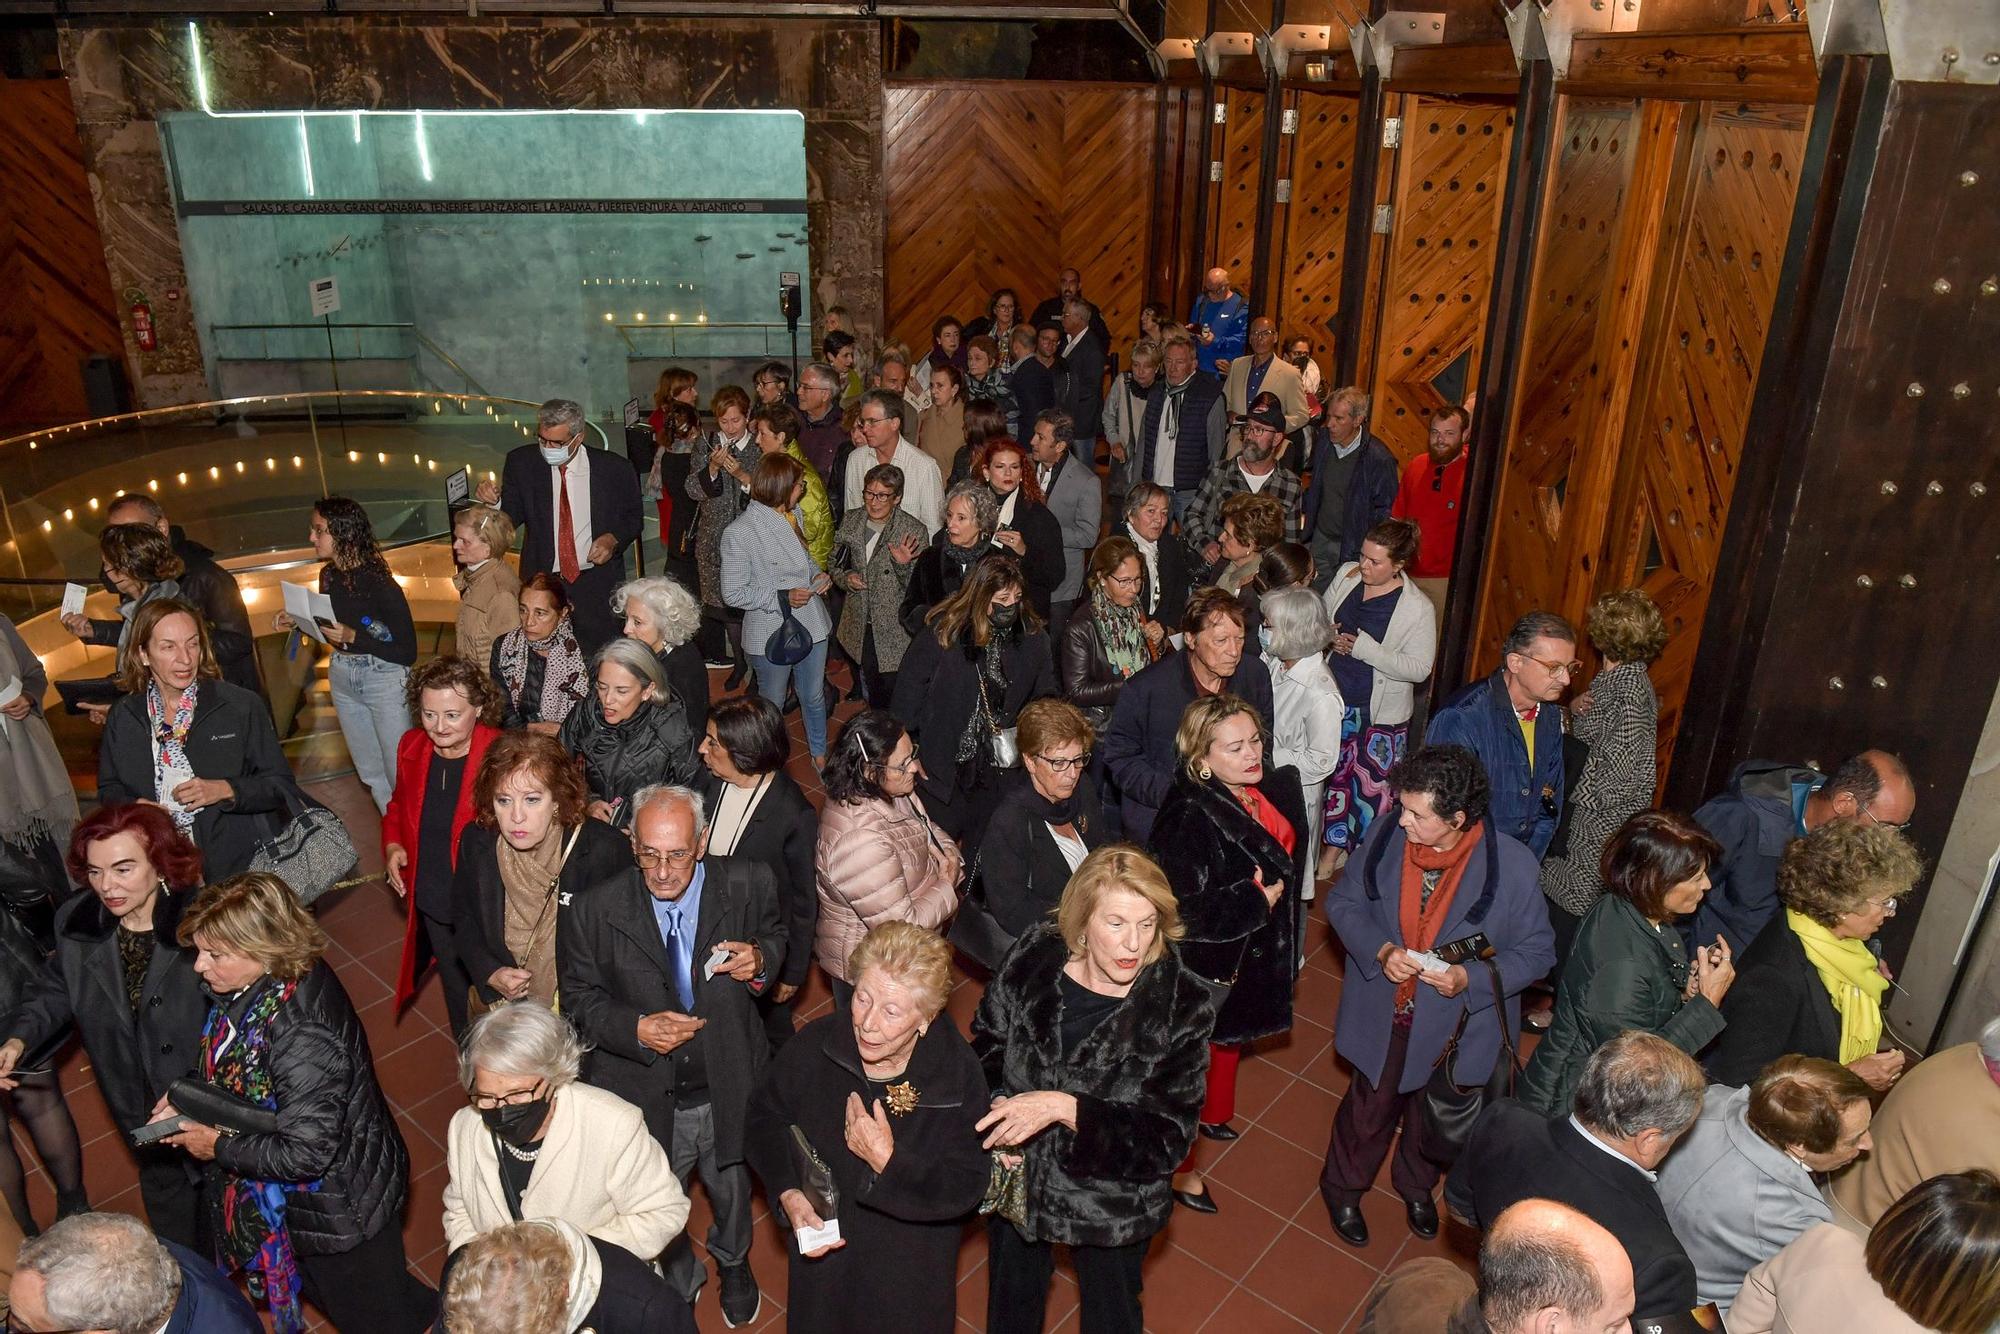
(1313, 223)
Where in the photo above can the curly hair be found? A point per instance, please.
(545, 763)
(452, 672)
(141, 551)
(1031, 488)
(676, 615)
(1259, 521)
(985, 509)
(512, 1280)
(171, 853)
(913, 955)
(1451, 776)
(1835, 869)
(354, 545)
(1626, 626)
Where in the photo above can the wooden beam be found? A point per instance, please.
(1763, 65)
(1360, 222)
(1479, 67)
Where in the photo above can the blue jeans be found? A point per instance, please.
(369, 700)
(809, 679)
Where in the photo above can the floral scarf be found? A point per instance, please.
(170, 746)
(247, 1217)
(1118, 627)
(564, 680)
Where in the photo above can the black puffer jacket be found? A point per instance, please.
(334, 1125)
(654, 745)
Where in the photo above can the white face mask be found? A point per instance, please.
(555, 458)
(1264, 637)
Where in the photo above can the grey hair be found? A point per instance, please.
(1525, 1269)
(827, 376)
(136, 500)
(635, 658)
(984, 507)
(1537, 625)
(1299, 627)
(514, 1278)
(1989, 1041)
(890, 402)
(646, 796)
(892, 353)
(1350, 394)
(104, 1271)
(563, 412)
(1639, 1081)
(1143, 494)
(522, 1038)
(888, 474)
(1145, 350)
(1079, 307)
(674, 611)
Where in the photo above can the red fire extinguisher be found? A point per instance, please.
(143, 332)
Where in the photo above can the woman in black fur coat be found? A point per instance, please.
(1094, 1037)
(1231, 834)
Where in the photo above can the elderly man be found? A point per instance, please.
(1544, 1268)
(578, 510)
(660, 970)
(1218, 322)
(1511, 722)
(820, 433)
(1264, 372)
(1256, 469)
(1075, 496)
(206, 584)
(104, 1273)
(1069, 287)
(1352, 488)
(1638, 1096)
(882, 414)
(1184, 429)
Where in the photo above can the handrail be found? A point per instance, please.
(146, 414)
(424, 340)
(399, 544)
(702, 324)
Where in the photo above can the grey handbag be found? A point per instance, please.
(312, 853)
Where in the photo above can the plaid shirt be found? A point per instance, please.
(1203, 523)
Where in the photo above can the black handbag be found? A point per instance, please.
(791, 643)
(815, 1178)
(211, 1105)
(1450, 1108)
(975, 932)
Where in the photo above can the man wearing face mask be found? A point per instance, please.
(577, 509)
(660, 969)
(1255, 469)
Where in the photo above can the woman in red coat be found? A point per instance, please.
(456, 708)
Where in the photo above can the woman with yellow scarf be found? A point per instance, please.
(1809, 984)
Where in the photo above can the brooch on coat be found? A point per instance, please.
(902, 1098)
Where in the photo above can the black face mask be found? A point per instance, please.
(517, 1122)
(1300, 360)
(1003, 617)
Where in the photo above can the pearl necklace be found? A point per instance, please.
(520, 1155)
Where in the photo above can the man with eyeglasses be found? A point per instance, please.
(1765, 807)
(821, 434)
(660, 969)
(1432, 492)
(881, 416)
(1511, 722)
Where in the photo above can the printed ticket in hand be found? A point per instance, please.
(812, 1238)
(1429, 962)
(716, 960)
(73, 596)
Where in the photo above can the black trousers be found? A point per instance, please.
(172, 1197)
(451, 972)
(1108, 1279)
(877, 686)
(370, 1288)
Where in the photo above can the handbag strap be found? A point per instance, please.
(1500, 1012)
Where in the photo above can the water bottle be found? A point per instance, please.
(377, 629)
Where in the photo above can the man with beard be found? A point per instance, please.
(1255, 469)
(1433, 487)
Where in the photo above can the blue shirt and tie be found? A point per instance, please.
(678, 921)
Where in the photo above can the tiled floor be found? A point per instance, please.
(1267, 1261)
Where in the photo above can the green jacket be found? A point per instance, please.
(1622, 972)
(815, 510)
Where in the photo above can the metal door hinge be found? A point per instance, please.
(1289, 122)
(1221, 112)
(1385, 218)
(1283, 193)
(1392, 132)
(1215, 169)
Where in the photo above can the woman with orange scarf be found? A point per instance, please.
(1437, 875)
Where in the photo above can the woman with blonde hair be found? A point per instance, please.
(1094, 1036)
(489, 590)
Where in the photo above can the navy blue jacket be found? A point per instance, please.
(1138, 747)
(1371, 490)
(1753, 819)
(209, 1303)
(1527, 799)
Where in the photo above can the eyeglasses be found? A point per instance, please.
(563, 442)
(1123, 580)
(486, 1102)
(1556, 668)
(872, 421)
(878, 495)
(652, 859)
(1888, 905)
(1899, 828)
(1062, 764)
(907, 765)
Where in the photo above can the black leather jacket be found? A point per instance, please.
(654, 745)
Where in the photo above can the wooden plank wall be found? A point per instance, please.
(1315, 222)
(1240, 148)
(59, 307)
(1003, 185)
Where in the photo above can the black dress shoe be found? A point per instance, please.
(1221, 1131)
(1200, 1201)
(1349, 1223)
(735, 677)
(1423, 1216)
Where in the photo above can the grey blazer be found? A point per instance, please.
(1076, 497)
(762, 557)
(1733, 1198)
(879, 606)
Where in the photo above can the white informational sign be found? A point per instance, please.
(325, 296)
(631, 413)
(73, 596)
(308, 607)
(788, 280)
(458, 488)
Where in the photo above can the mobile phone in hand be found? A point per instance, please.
(155, 1131)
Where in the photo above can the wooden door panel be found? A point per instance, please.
(1106, 190)
(1234, 245)
(1316, 231)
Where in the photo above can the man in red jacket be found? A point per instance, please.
(1432, 489)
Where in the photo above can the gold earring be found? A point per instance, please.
(1206, 773)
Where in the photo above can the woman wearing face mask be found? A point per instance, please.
(1125, 414)
(970, 514)
(457, 711)
(530, 847)
(769, 572)
(1047, 821)
(665, 617)
(1094, 1036)
(539, 666)
(1231, 837)
(1023, 526)
(719, 482)
(886, 1092)
(982, 655)
(875, 556)
(537, 1142)
(489, 592)
(941, 426)
(313, 1209)
(140, 564)
(631, 733)
(1109, 639)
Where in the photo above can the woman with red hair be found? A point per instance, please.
(1026, 530)
(122, 978)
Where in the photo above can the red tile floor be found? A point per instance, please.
(1267, 1262)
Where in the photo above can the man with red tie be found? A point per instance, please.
(577, 509)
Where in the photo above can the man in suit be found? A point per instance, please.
(1075, 496)
(1166, 575)
(1069, 287)
(578, 510)
(1639, 1094)
(104, 1273)
(1083, 352)
(1352, 487)
(1040, 381)
(1265, 372)
(1544, 1268)
(661, 969)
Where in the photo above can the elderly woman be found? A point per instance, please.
(1384, 641)
(1230, 835)
(947, 349)
(757, 810)
(1630, 968)
(1306, 703)
(631, 733)
(1125, 416)
(665, 617)
(545, 1276)
(538, 1143)
(982, 655)
(202, 748)
(1809, 984)
(1437, 875)
(887, 1093)
(1619, 719)
(1094, 1036)
(970, 517)
(879, 857)
(311, 1207)
(771, 575)
(141, 567)
(1108, 638)
(719, 482)
(941, 426)
(1047, 821)
(457, 711)
(874, 555)
(489, 592)
(539, 667)
(1251, 525)
(1742, 1183)
(529, 848)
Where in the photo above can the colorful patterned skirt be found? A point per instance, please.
(1358, 789)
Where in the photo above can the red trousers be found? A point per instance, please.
(1220, 1104)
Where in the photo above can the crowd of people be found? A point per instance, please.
(1140, 656)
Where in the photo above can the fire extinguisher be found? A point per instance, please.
(143, 332)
